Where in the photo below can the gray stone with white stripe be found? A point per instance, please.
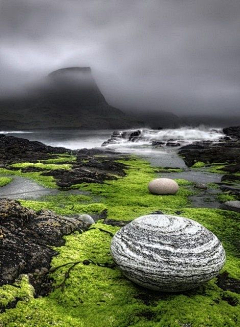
(167, 253)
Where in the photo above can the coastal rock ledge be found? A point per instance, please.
(27, 237)
(167, 253)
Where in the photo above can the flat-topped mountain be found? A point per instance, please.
(69, 98)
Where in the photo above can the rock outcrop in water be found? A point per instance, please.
(15, 149)
(118, 137)
(233, 132)
(70, 98)
(226, 152)
(167, 253)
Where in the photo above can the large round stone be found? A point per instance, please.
(167, 253)
(163, 186)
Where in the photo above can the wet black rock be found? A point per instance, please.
(230, 178)
(120, 136)
(231, 205)
(14, 149)
(232, 168)
(158, 143)
(135, 135)
(92, 166)
(230, 189)
(222, 152)
(173, 144)
(233, 132)
(26, 237)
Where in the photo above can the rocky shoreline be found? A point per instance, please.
(225, 153)
(28, 238)
(26, 242)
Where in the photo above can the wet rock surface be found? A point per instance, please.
(14, 149)
(232, 132)
(226, 152)
(25, 237)
(121, 136)
(210, 152)
(231, 205)
(92, 166)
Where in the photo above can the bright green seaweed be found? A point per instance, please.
(5, 180)
(96, 294)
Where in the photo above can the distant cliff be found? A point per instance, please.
(70, 98)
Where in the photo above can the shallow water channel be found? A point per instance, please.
(24, 188)
(205, 196)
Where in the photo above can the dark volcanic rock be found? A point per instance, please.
(118, 136)
(230, 189)
(233, 132)
(173, 144)
(25, 237)
(14, 149)
(134, 135)
(222, 152)
(157, 143)
(230, 178)
(92, 166)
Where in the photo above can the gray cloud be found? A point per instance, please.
(177, 55)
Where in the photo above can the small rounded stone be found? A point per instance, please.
(163, 186)
(167, 253)
(87, 219)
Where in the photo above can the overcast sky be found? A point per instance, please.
(176, 55)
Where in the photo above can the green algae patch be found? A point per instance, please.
(43, 166)
(128, 198)
(65, 209)
(5, 181)
(226, 226)
(20, 290)
(217, 168)
(168, 170)
(57, 162)
(198, 164)
(227, 197)
(60, 159)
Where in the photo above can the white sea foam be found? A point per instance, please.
(181, 135)
(77, 139)
(16, 132)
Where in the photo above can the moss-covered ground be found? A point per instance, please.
(95, 293)
(62, 161)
